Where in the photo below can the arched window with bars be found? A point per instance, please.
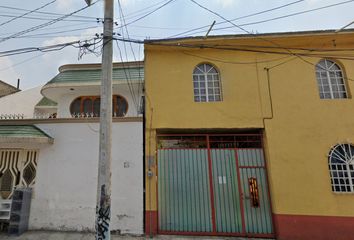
(330, 80)
(341, 167)
(90, 106)
(206, 83)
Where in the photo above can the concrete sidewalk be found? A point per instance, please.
(45, 235)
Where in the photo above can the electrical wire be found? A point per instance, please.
(45, 24)
(65, 31)
(149, 13)
(242, 17)
(248, 48)
(52, 28)
(131, 48)
(19, 63)
(262, 21)
(29, 12)
(127, 78)
(46, 19)
(47, 13)
(293, 14)
(48, 48)
(231, 62)
(143, 10)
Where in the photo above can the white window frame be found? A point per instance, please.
(333, 80)
(341, 168)
(201, 78)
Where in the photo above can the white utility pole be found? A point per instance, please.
(103, 205)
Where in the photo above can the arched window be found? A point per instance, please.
(330, 80)
(341, 167)
(89, 106)
(206, 84)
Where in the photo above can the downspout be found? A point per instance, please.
(269, 95)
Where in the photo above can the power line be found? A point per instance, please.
(149, 13)
(48, 48)
(46, 13)
(262, 21)
(65, 26)
(295, 14)
(143, 11)
(232, 62)
(24, 61)
(242, 17)
(41, 18)
(65, 31)
(130, 87)
(125, 49)
(29, 12)
(45, 24)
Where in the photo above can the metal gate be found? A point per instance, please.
(213, 185)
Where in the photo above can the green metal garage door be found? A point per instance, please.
(213, 187)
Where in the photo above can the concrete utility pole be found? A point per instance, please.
(103, 206)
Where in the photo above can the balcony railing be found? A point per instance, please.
(54, 115)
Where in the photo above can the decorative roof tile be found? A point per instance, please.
(94, 75)
(46, 102)
(23, 133)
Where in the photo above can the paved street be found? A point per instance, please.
(44, 235)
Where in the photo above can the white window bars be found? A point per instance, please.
(17, 168)
(206, 84)
(330, 80)
(341, 167)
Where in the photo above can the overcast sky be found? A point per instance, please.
(176, 17)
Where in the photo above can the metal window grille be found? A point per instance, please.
(206, 83)
(17, 168)
(89, 106)
(330, 80)
(341, 168)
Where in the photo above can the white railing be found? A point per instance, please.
(52, 116)
(12, 116)
(85, 115)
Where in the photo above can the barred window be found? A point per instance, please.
(17, 167)
(90, 106)
(341, 168)
(330, 80)
(206, 84)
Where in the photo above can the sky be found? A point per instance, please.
(174, 19)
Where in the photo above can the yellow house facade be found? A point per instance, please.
(251, 135)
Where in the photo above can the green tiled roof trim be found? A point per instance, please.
(94, 75)
(46, 102)
(21, 131)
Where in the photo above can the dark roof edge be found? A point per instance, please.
(87, 66)
(7, 84)
(274, 34)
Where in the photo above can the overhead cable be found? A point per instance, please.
(262, 21)
(242, 17)
(149, 13)
(45, 24)
(46, 13)
(29, 12)
(46, 19)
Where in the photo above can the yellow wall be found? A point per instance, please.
(298, 137)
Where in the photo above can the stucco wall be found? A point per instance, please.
(65, 190)
(299, 132)
(21, 102)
